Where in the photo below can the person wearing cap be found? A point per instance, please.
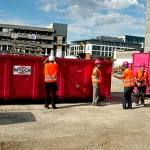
(50, 73)
(96, 80)
(141, 78)
(128, 83)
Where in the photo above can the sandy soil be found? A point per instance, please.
(76, 126)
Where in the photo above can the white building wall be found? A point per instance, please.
(121, 56)
(119, 62)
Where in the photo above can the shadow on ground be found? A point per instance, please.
(115, 98)
(16, 117)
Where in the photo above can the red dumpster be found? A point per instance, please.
(23, 77)
(19, 76)
(137, 59)
(75, 78)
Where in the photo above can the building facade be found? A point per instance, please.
(104, 46)
(53, 37)
(147, 33)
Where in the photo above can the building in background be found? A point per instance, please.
(53, 37)
(105, 47)
(60, 38)
(147, 32)
(121, 56)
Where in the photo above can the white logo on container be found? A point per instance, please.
(22, 70)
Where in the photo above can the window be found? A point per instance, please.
(5, 30)
(10, 30)
(106, 48)
(102, 54)
(102, 48)
(96, 53)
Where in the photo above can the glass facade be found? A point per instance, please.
(104, 48)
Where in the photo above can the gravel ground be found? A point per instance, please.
(76, 126)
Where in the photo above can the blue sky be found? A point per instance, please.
(85, 18)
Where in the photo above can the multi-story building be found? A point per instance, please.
(147, 27)
(52, 37)
(104, 46)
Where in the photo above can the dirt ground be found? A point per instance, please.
(76, 126)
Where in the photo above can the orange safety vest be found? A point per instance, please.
(50, 72)
(98, 78)
(128, 78)
(142, 77)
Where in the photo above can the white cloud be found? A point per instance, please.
(122, 4)
(18, 22)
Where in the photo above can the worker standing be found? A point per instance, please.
(141, 78)
(51, 73)
(128, 83)
(96, 80)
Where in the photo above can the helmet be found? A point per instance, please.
(51, 58)
(142, 65)
(125, 63)
(97, 62)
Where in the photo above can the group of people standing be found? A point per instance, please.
(140, 79)
(130, 80)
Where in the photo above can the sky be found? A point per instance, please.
(86, 19)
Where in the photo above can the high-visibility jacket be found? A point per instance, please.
(50, 72)
(128, 78)
(96, 75)
(141, 77)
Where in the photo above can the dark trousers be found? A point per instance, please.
(127, 102)
(141, 94)
(50, 87)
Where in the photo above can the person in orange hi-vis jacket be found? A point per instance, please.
(141, 78)
(128, 83)
(96, 80)
(50, 74)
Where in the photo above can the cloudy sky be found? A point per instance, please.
(85, 18)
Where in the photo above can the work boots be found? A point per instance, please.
(54, 107)
(96, 104)
(142, 103)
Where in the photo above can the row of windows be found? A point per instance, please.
(102, 48)
(9, 39)
(111, 43)
(98, 48)
(8, 30)
(94, 53)
(97, 53)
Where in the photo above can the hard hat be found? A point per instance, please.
(142, 65)
(125, 63)
(97, 62)
(51, 58)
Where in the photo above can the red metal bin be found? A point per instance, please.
(19, 76)
(23, 77)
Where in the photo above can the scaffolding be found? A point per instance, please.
(26, 48)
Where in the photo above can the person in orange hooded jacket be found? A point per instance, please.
(50, 74)
(128, 83)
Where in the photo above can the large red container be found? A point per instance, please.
(137, 59)
(75, 78)
(23, 77)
